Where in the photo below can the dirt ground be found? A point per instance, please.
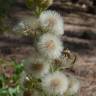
(79, 42)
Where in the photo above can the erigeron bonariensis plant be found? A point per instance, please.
(43, 75)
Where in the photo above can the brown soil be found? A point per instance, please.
(80, 38)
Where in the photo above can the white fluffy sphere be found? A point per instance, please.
(50, 46)
(55, 83)
(53, 21)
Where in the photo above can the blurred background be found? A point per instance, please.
(79, 36)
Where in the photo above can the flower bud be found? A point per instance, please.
(38, 3)
(46, 3)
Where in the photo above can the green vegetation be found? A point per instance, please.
(10, 73)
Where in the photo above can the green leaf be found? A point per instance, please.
(3, 92)
(19, 68)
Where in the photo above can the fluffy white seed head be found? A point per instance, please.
(19, 27)
(37, 66)
(74, 86)
(49, 46)
(55, 83)
(52, 21)
(25, 23)
(30, 21)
